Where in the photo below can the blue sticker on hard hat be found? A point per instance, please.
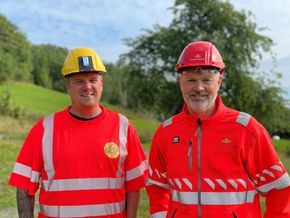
(85, 64)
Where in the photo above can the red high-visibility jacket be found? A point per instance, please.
(215, 168)
(85, 167)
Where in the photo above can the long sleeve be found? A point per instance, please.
(270, 176)
(157, 186)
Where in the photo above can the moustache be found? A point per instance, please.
(197, 94)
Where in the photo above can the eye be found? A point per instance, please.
(208, 81)
(190, 80)
(94, 80)
(78, 81)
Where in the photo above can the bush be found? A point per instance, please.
(6, 107)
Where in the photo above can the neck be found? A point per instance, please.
(86, 112)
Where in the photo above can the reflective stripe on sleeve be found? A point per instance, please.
(159, 214)
(167, 122)
(83, 211)
(137, 171)
(243, 118)
(213, 198)
(282, 182)
(47, 147)
(83, 184)
(153, 182)
(26, 171)
(123, 131)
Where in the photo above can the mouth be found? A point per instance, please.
(198, 96)
(86, 95)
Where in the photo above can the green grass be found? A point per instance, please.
(35, 99)
(283, 149)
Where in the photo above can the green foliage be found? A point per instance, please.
(47, 64)
(115, 84)
(15, 56)
(153, 56)
(21, 61)
(6, 108)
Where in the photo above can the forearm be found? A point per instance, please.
(132, 201)
(25, 204)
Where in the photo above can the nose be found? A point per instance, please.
(198, 86)
(87, 85)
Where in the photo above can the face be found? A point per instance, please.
(85, 90)
(199, 90)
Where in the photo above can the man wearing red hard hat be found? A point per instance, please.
(211, 161)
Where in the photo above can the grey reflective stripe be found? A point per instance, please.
(213, 198)
(137, 171)
(47, 146)
(167, 122)
(153, 182)
(123, 131)
(159, 214)
(282, 182)
(26, 171)
(83, 184)
(243, 118)
(83, 210)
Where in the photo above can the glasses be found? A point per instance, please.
(203, 70)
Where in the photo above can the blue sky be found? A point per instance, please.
(103, 25)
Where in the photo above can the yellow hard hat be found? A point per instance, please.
(80, 60)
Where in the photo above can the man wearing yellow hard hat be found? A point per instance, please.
(89, 159)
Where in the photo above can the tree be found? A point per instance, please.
(47, 63)
(15, 56)
(40, 69)
(115, 80)
(153, 56)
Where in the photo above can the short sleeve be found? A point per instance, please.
(29, 164)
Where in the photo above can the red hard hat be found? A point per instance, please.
(199, 54)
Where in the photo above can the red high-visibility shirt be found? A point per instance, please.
(215, 168)
(85, 167)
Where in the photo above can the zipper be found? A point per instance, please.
(198, 134)
(189, 154)
(174, 212)
(234, 215)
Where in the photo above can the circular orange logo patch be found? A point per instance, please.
(111, 149)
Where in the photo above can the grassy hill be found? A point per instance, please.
(38, 101)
